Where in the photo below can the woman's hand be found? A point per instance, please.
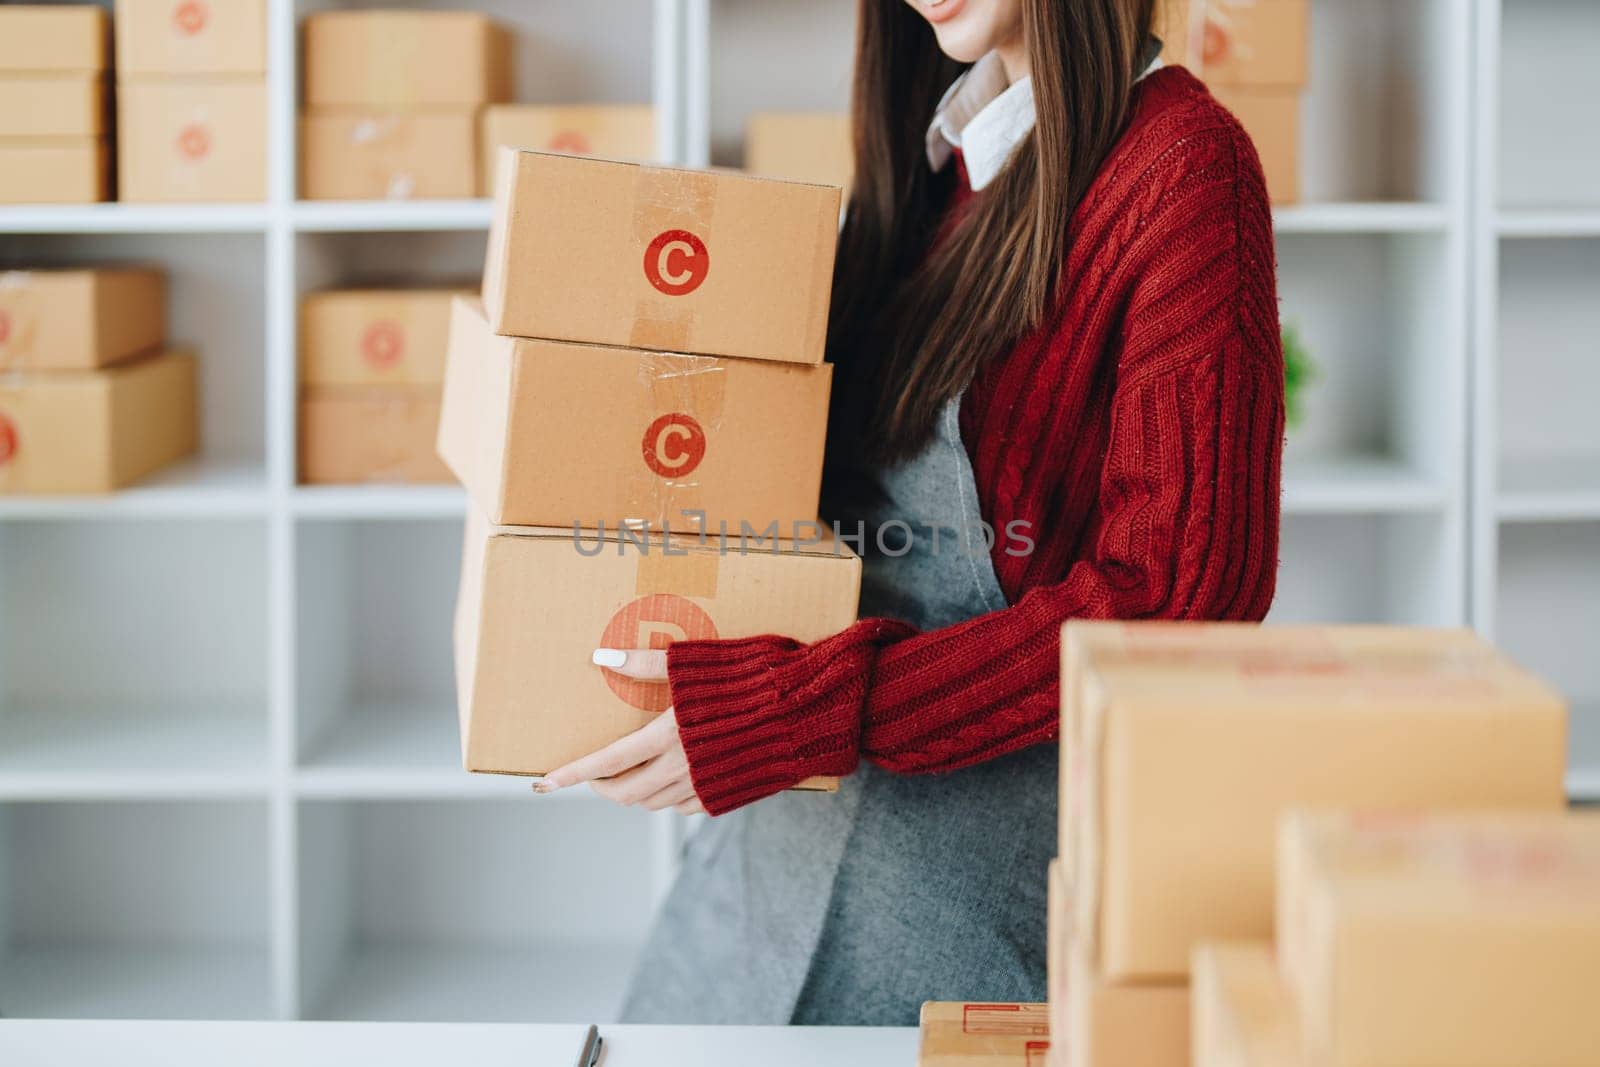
(647, 768)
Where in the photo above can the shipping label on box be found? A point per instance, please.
(708, 263)
(52, 105)
(800, 146)
(370, 435)
(1242, 1014)
(55, 37)
(79, 319)
(955, 1034)
(623, 132)
(192, 140)
(545, 433)
(54, 170)
(379, 155)
(1186, 741)
(1121, 1023)
(362, 337)
(405, 59)
(189, 37)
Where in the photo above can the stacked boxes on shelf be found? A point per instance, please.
(953, 1034)
(53, 113)
(90, 400)
(191, 100)
(392, 102)
(609, 131)
(801, 146)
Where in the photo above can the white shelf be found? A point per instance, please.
(1583, 779)
(357, 216)
(1372, 217)
(1558, 489)
(1358, 485)
(135, 983)
(135, 218)
(379, 502)
(194, 489)
(1548, 223)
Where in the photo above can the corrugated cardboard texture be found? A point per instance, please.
(605, 131)
(203, 140)
(375, 336)
(1242, 1015)
(94, 431)
(547, 434)
(1272, 119)
(984, 1035)
(380, 434)
(405, 59)
(52, 105)
(800, 146)
(1472, 940)
(56, 37)
(534, 607)
(683, 261)
(188, 37)
(1185, 742)
(1110, 1023)
(389, 155)
(79, 319)
(56, 170)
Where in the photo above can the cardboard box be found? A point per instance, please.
(1058, 930)
(53, 37)
(356, 436)
(800, 146)
(52, 105)
(378, 155)
(605, 131)
(535, 604)
(1272, 119)
(1471, 940)
(1186, 741)
(96, 430)
(1257, 43)
(709, 263)
(1242, 1015)
(1113, 1023)
(188, 37)
(369, 337)
(79, 319)
(192, 140)
(54, 170)
(544, 433)
(984, 1035)
(387, 59)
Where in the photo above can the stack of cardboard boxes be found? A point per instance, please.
(800, 145)
(392, 101)
(53, 113)
(89, 400)
(608, 131)
(191, 100)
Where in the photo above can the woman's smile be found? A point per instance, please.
(940, 10)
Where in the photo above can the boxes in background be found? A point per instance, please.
(363, 337)
(1113, 1023)
(1187, 741)
(1256, 43)
(94, 431)
(189, 37)
(389, 155)
(545, 433)
(52, 105)
(192, 140)
(58, 170)
(800, 146)
(1242, 1014)
(53, 37)
(606, 131)
(79, 319)
(1272, 119)
(402, 59)
(1472, 940)
(709, 263)
(983, 1035)
(355, 436)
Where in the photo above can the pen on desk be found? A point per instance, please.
(590, 1054)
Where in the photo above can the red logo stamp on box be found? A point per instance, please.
(8, 439)
(653, 621)
(194, 141)
(383, 344)
(1037, 1053)
(1214, 46)
(677, 262)
(674, 445)
(190, 17)
(571, 141)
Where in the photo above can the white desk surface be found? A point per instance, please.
(29, 1043)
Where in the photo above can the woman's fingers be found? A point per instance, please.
(639, 784)
(678, 792)
(638, 747)
(645, 664)
(691, 807)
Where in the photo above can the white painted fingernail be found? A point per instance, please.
(610, 657)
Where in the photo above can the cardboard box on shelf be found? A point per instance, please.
(203, 140)
(377, 59)
(607, 131)
(800, 146)
(188, 37)
(709, 263)
(94, 431)
(65, 319)
(1185, 742)
(546, 433)
(52, 105)
(389, 155)
(535, 604)
(374, 435)
(1467, 939)
(54, 170)
(363, 337)
(1257, 43)
(1110, 1023)
(1272, 119)
(53, 37)
(983, 1035)
(1242, 1014)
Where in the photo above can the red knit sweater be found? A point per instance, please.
(1140, 437)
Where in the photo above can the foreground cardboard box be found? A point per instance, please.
(79, 319)
(1470, 940)
(1186, 741)
(984, 1035)
(188, 37)
(56, 37)
(1242, 1014)
(545, 433)
(606, 131)
(356, 436)
(405, 59)
(1255, 43)
(1272, 119)
(52, 105)
(375, 336)
(202, 140)
(800, 146)
(94, 431)
(535, 604)
(1058, 929)
(389, 155)
(55, 170)
(1108, 1024)
(714, 264)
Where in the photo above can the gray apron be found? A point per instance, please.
(854, 908)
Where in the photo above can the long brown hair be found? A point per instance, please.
(918, 318)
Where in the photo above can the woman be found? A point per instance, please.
(1054, 313)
